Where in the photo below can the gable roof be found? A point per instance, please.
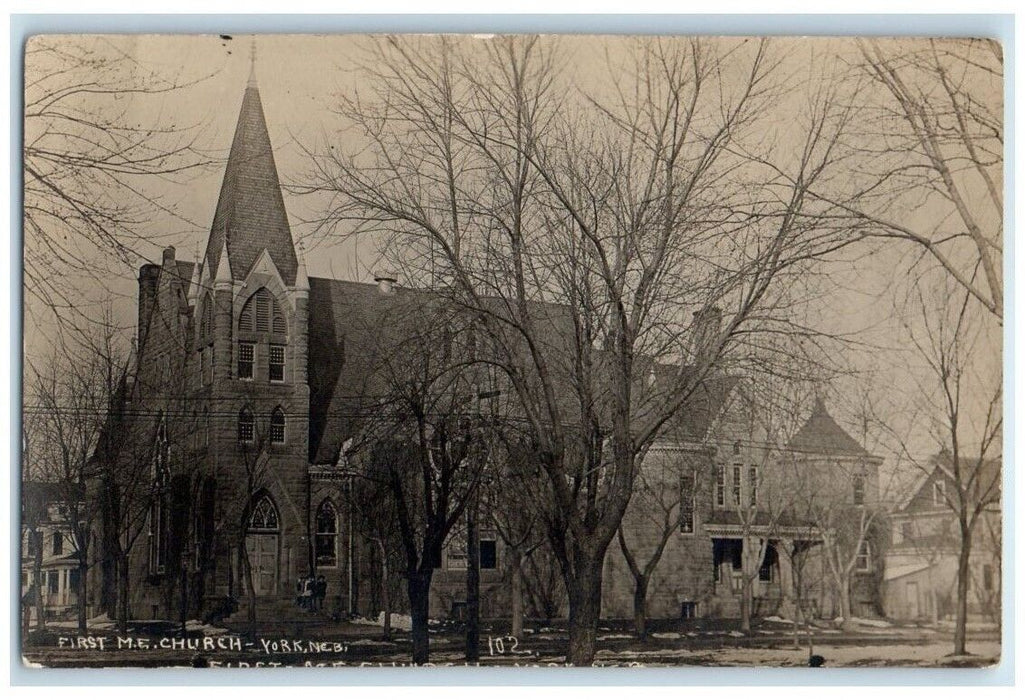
(250, 210)
(919, 497)
(356, 333)
(821, 434)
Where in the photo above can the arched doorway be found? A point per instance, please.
(262, 545)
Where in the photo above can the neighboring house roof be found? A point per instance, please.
(920, 497)
(38, 494)
(893, 572)
(250, 209)
(821, 434)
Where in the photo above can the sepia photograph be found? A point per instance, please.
(368, 350)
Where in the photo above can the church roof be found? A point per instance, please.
(821, 434)
(356, 333)
(250, 209)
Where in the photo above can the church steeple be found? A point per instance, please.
(250, 215)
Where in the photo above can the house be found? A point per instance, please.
(750, 506)
(49, 557)
(920, 574)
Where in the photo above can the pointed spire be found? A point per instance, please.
(194, 284)
(250, 198)
(252, 64)
(223, 266)
(302, 282)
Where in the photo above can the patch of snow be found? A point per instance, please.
(666, 635)
(870, 622)
(735, 633)
(208, 630)
(372, 643)
(617, 636)
(777, 618)
(398, 621)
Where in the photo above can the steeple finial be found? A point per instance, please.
(252, 63)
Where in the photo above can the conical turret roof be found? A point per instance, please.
(822, 435)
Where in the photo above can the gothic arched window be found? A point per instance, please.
(206, 319)
(327, 534)
(265, 516)
(262, 314)
(262, 338)
(246, 426)
(277, 426)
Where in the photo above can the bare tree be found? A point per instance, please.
(70, 398)
(577, 227)
(420, 437)
(931, 165)
(97, 151)
(960, 399)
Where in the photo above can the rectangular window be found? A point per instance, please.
(455, 556)
(939, 493)
(736, 484)
(58, 543)
(752, 484)
(246, 358)
(53, 582)
(907, 530)
(687, 503)
(488, 554)
(864, 561)
(987, 577)
(276, 369)
(859, 489)
(720, 486)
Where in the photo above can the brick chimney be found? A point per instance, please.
(705, 333)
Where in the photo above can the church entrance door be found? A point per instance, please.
(263, 558)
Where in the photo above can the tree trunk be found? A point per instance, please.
(584, 612)
(641, 606)
(38, 573)
(516, 592)
(844, 592)
(122, 592)
(746, 595)
(472, 583)
(385, 596)
(247, 573)
(83, 569)
(963, 577)
(418, 587)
